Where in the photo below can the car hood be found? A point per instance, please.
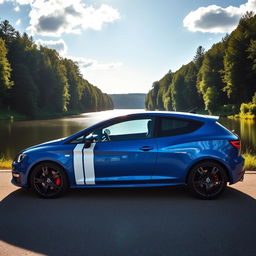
(48, 143)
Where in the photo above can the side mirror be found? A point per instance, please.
(89, 139)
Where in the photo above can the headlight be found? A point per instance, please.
(20, 157)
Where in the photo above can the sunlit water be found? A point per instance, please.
(18, 135)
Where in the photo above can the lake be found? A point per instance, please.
(17, 135)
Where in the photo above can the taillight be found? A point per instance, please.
(235, 143)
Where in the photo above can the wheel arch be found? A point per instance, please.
(212, 160)
(46, 161)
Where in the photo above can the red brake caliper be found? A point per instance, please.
(216, 178)
(57, 181)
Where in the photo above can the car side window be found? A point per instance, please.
(127, 130)
(177, 126)
(78, 140)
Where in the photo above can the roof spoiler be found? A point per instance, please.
(213, 118)
(193, 110)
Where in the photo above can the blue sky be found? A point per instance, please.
(123, 46)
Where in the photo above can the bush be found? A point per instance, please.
(229, 109)
(252, 109)
(248, 108)
(254, 98)
(250, 161)
(244, 108)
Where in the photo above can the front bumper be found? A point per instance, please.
(19, 177)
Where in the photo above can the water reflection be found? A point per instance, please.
(15, 136)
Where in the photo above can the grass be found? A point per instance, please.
(250, 162)
(5, 164)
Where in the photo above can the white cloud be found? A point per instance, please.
(216, 19)
(23, 2)
(58, 45)
(91, 64)
(18, 22)
(55, 17)
(19, 2)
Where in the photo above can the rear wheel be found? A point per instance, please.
(48, 180)
(207, 180)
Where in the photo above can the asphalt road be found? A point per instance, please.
(152, 221)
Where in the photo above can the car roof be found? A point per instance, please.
(174, 114)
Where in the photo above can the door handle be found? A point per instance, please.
(146, 148)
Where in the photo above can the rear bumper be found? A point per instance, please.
(238, 172)
(242, 178)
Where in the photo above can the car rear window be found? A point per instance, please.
(177, 126)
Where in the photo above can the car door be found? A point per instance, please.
(125, 152)
(174, 138)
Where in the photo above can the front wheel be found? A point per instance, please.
(207, 180)
(48, 180)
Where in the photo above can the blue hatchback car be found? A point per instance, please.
(136, 150)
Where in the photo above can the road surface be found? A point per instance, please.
(152, 221)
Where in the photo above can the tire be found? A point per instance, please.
(207, 180)
(48, 180)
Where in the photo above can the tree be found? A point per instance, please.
(163, 98)
(183, 89)
(210, 76)
(238, 62)
(5, 70)
(210, 97)
(254, 98)
(75, 84)
(252, 54)
(198, 58)
(42, 80)
(225, 75)
(24, 93)
(153, 100)
(53, 85)
(178, 92)
(7, 31)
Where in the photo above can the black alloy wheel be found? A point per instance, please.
(48, 180)
(207, 180)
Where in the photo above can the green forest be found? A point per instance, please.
(37, 82)
(220, 81)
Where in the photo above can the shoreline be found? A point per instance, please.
(46, 116)
(242, 117)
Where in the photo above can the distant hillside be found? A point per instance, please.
(128, 101)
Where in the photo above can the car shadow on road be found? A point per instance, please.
(148, 221)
